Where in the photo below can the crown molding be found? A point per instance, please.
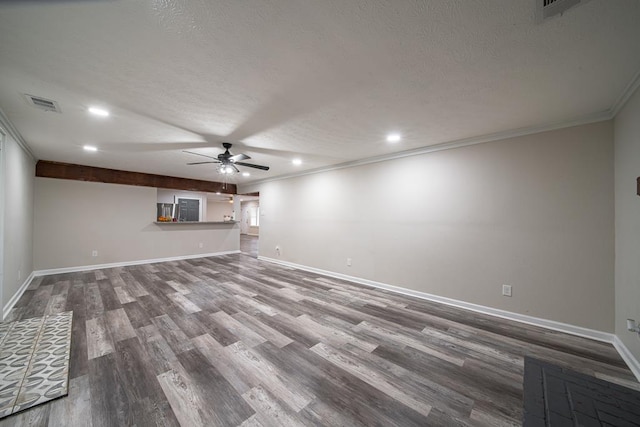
(8, 127)
(465, 142)
(628, 91)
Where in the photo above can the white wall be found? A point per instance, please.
(627, 221)
(72, 218)
(217, 210)
(535, 212)
(245, 220)
(18, 173)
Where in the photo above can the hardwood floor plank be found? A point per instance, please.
(218, 357)
(266, 374)
(138, 317)
(123, 295)
(246, 335)
(269, 412)
(334, 336)
(266, 332)
(139, 380)
(420, 387)
(231, 340)
(224, 406)
(109, 403)
(185, 403)
(185, 304)
(39, 301)
(161, 356)
(385, 334)
(108, 294)
(38, 416)
(371, 377)
(94, 301)
(75, 409)
(154, 412)
(341, 391)
(98, 340)
(172, 334)
(79, 358)
(180, 288)
(134, 288)
(118, 325)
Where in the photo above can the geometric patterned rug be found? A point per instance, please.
(34, 361)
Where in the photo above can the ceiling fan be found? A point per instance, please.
(228, 161)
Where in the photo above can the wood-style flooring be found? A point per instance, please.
(249, 245)
(231, 340)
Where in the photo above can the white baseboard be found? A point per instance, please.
(37, 273)
(522, 318)
(14, 299)
(627, 356)
(48, 272)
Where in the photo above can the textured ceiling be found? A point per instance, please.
(321, 80)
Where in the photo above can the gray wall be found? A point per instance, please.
(17, 204)
(627, 221)
(535, 212)
(72, 218)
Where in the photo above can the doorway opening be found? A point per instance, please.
(249, 224)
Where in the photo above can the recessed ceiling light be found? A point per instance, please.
(394, 137)
(90, 148)
(296, 162)
(97, 111)
(246, 174)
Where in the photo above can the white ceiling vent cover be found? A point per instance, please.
(545, 9)
(42, 103)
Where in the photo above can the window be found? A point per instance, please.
(254, 214)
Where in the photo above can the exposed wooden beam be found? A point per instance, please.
(47, 169)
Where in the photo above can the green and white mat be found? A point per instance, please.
(34, 361)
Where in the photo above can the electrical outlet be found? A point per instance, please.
(506, 290)
(94, 253)
(201, 245)
(278, 250)
(348, 262)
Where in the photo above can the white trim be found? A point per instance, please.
(14, 299)
(522, 318)
(13, 132)
(48, 272)
(2, 208)
(627, 356)
(625, 95)
(512, 133)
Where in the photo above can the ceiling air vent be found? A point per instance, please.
(42, 103)
(545, 9)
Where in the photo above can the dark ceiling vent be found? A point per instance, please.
(42, 103)
(545, 9)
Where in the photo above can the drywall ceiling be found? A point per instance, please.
(323, 81)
